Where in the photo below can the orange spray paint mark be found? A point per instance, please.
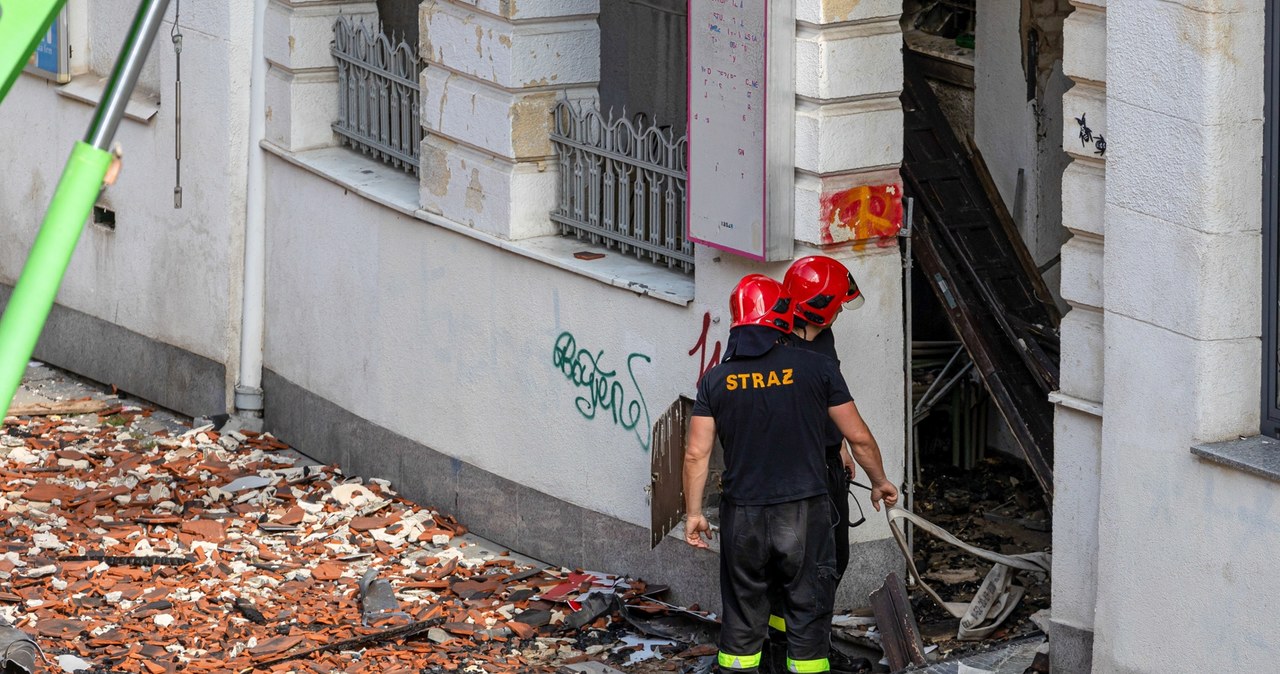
(865, 213)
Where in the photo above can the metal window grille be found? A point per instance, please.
(622, 185)
(1271, 228)
(378, 96)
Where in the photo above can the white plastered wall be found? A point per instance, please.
(1186, 578)
(171, 275)
(450, 342)
(1015, 134)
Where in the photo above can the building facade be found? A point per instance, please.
(428, 317)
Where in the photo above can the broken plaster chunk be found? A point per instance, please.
(163, 620)
(311, 508)
(48, 541)
(354, 495)
(438, 635)
(42, 571)
(440, 539)
(103, 628)
(204, 547)
(186, 595)
(22, 455)
(71, 663)
(259, 582)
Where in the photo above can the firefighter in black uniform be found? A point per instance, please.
(767, 404)
(820, 288)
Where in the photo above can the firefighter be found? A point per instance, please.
(767, 403)
(821, 288)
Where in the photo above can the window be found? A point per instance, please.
(1270, 225)
(378, 94)
(643, 45)
(623, 166)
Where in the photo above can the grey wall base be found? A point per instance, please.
(1070, 649)
(526, 520)
(139, 365)
(869, 563)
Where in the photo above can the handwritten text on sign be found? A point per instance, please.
(727, 60)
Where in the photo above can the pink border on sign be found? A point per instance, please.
(688, 117)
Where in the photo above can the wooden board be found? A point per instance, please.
(61, 407)
(899, 633)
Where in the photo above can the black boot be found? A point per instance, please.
(775, 653)
(843, 664)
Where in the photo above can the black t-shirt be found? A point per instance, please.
(825, 344)
(769, 413)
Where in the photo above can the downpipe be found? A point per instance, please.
(248, 396)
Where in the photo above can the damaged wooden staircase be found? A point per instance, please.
(977, 264)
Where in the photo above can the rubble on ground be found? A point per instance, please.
(137, 545)
(996, 506)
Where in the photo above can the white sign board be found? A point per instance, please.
(741, 126)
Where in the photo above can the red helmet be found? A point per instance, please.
(819, 286)
(760, 300)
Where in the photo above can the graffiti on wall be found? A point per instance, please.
(700, 348)
(862, 214)
(606, 395)
(1088, 136)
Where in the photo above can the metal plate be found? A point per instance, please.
(666, 486)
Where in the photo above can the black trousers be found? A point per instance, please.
(838, 491)
(788, 547)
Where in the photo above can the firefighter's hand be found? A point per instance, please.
(695, 526)
(884, 490)
(850, 468)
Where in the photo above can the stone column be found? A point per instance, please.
(301, 82)
(495, 69)
(848, 121)
(1079, 400)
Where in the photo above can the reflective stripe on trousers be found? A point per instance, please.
(731, 661)
(808, 666)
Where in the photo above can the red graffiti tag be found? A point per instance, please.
(701, 348)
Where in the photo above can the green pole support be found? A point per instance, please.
(78, 189)
(33, 296)
(22, 24)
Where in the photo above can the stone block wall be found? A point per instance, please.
(1078, 419)
(494, 71)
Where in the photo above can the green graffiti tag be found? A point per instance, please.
(604, 391)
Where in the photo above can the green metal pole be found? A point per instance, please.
(73, 201)
(22, 24)
(33, 296)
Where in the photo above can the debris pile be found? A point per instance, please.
(995, 506)
(135, 545)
